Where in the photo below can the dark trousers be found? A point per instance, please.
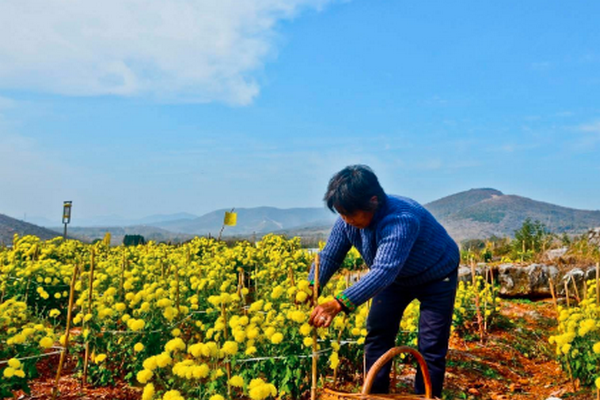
(437, 305)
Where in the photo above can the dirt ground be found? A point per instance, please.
(514, 362)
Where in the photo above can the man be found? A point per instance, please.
(410, 256)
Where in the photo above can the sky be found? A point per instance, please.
(138, 107)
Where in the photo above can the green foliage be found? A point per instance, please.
(490, 250)
(565, 239)
(530, 239)
(133, 240)
(583, 251)
(353, 260)
(493, 217)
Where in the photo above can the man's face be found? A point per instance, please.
(359, 219)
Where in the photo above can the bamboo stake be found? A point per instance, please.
(177, 288)
(567, 294)
(244, 298)
(597, 284)
(226, 335)
(291, 276)
(68, 328)
(122, 288)
(485, 302)
(89, 311)
(553, 293)
(493, 290)
(313, 389)
(576, 290)
(339, 339)
(477, 305)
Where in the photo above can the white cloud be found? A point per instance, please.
(593, 127)
(590, 137)
(185, 50)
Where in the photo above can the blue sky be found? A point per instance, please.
(137, 109)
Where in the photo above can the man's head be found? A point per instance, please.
(355, 193)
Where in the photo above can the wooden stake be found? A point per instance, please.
(226, 335)
(477, 305)
(122, 289)
(576, 290)
(493, 290)
(291, 276)
(339, 339)
(177, 288)
(567, 294)
(89, 311)
(485, 302)
(313, 389)
(597, 284)
(68, 328)
(553, 293)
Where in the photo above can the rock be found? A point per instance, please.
(590, 272)
(531, 281)
(575, 275)
(554, 254)
(538, 278)
(464, 272)
(594, 236)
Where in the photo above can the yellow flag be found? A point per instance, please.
(230, 218)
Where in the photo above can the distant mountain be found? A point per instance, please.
(9, 226)
(481, 213)
(472, 214)
(113, 220)
(43, 221)
(257, 220)
(449, 205)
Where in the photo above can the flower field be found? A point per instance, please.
(195, 321)
(577, 342)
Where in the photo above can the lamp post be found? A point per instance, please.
(66, 216)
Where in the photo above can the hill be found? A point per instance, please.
(481, 213)
(113, 220)
(259, 220)
(9, 226)
(472, 214)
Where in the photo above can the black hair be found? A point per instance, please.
(352, 189)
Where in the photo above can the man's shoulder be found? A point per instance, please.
(403, 205)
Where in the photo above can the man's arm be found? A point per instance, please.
(332, 256)
(398, 234)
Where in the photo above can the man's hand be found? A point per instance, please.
(323, 314)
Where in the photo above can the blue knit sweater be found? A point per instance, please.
(404, 244)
